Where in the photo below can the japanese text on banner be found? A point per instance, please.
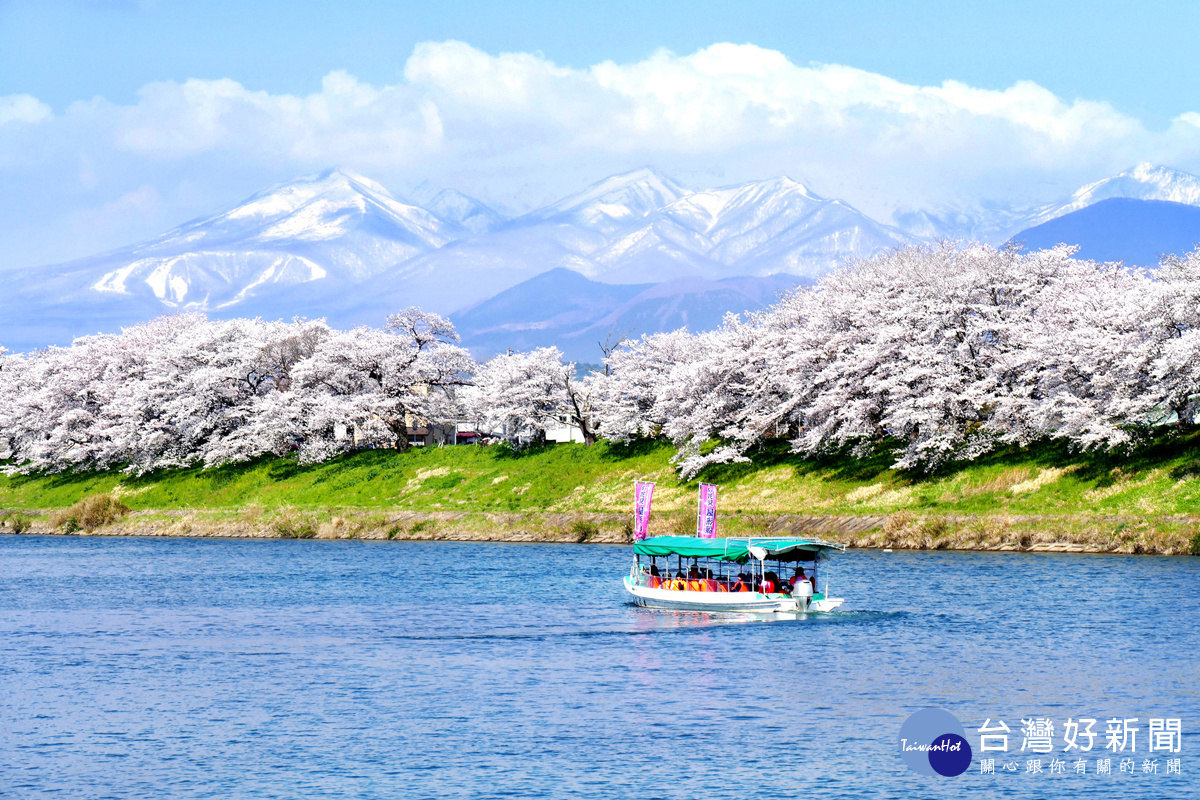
(642, 495)
(706, 519)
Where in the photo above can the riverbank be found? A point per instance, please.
(899, 531)
(1046, 498)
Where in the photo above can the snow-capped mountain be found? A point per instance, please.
(341, 246)
(314, 208)
(287, 250)
(1143, 182)
(613, 203)
(466, 212)
(757, 228)
(563, 234)
(641, 227)
(337, 228)
(997, 223)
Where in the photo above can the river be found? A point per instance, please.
(195, 668)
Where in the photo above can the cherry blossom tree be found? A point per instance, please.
(939, 352)
(944, 349)
(11, 367)
(1082, 367)
(1175, 333)
(628, 399)
(380, 381)
(182, 390)
(523, 394)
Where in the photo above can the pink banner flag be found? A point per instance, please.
(706, 518)
(642, 494)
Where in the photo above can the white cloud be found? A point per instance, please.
(719, 101)
(345, 120)
(22, 108)
(729, 96)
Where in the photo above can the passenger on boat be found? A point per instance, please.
(694, 583)
(712, 584)
(742, 584)
(800, 576)
(770, 584)
(655, 581)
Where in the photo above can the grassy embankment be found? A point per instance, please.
(1047, 498)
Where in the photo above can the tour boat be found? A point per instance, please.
(752, 575)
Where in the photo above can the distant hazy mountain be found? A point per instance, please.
(1136, 232)
(1143, 182)
(565, 308)
(991, 224)
(994, 223)
(466, 212)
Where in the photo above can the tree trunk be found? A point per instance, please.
(579, 417)
(400, 430)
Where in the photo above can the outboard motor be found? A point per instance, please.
(802, 593)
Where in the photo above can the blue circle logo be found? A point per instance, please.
(934, 742)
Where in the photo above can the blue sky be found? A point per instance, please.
(119, 119)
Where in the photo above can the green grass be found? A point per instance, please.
(1163, 479)
(420, 479)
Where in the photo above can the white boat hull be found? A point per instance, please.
(733, 602)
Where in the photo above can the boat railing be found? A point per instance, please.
(641, 576)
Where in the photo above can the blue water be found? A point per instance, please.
(160, 668)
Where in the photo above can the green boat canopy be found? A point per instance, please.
(737, 550)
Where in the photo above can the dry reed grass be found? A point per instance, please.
(1044, 477)
(909, 531)
(89, 514)
(289, 523)
(1002, 482)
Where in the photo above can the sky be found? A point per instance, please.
(119, 120)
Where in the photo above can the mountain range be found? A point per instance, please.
(340, 246)
(1136, 232)
(995, 223)
(635, 252)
